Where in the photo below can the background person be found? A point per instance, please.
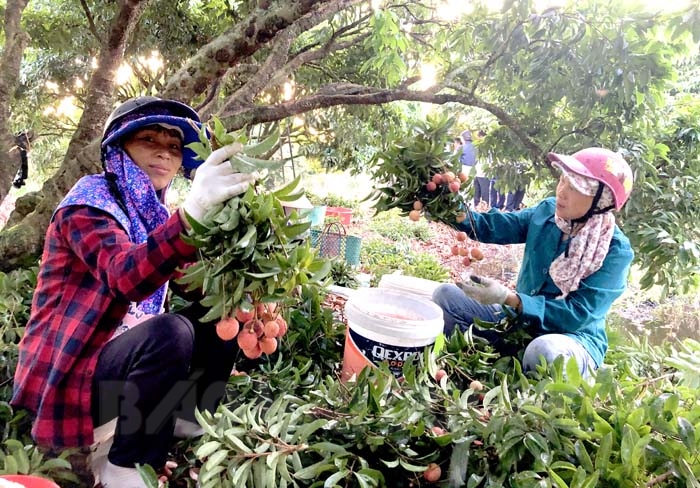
(468, 154)
(575, 263)
(99, 348)
(482, 184)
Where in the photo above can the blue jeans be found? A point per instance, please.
(481, 189)
(514, 199)
(152, 373)
(460, 311)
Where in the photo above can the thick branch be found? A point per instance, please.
(349, 94)
(279, 56)
(246, 38)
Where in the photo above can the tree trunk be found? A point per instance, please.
(15, 42)
(21, 244)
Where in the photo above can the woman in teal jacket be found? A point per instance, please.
(575, 263)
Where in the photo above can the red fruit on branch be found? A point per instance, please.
(454, 186)
(432, 473)
(271, 329)
(244, 316)
(437, 179)
(253, 353)
(414, 215)
(461, 236)
(430, 186)
(283, 326)
(440, 374)
(268, 345)
(256, 326)
(247, 339)
(417, 205)
(227, 328)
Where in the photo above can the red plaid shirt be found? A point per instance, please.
(89, 273)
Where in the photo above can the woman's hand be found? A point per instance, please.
(215, 182)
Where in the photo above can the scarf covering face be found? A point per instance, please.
(145, 211)
(589, 247)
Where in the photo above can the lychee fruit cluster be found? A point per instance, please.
(261, 328)
(468, 254)
(447, 179)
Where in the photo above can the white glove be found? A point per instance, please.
(484, 290)
(215, 182)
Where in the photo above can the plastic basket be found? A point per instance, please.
(344, 215)
(333, 241)
(317, 215)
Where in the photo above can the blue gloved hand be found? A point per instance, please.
(486, 291)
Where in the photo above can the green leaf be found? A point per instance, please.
(241, 473)
(207, 449)
(314, 471)
(263, 147)
(245, 164)
(686, 431)
(249, 235)
(558, 481)
(332, 480)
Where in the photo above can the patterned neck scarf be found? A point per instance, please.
(589, 247)
(144, 210)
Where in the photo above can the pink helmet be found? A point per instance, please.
(603, 165)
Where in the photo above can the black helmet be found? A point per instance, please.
(140, 112)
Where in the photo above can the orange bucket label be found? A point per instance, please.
(361, 352)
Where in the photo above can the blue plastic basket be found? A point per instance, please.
(317, 215)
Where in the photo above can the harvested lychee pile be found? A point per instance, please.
(257, 330)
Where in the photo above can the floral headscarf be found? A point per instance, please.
(589, 247)
(144, 210)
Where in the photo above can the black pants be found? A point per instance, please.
(152, 374)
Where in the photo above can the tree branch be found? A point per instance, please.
(91, 21)
(244, 39)
(352, 94)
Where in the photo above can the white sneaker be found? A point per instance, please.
(113, 476)
(184, 429)
(102, 443)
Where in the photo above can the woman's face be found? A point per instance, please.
(571, 204)
(157, 151)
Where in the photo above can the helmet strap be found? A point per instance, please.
(592, 210)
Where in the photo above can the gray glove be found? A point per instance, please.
(484, 290)
(215, 182)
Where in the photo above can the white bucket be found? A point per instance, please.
(387, 326)
(409, 284)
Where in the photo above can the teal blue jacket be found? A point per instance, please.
(581, 315)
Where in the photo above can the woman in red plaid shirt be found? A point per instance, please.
(99, 350)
